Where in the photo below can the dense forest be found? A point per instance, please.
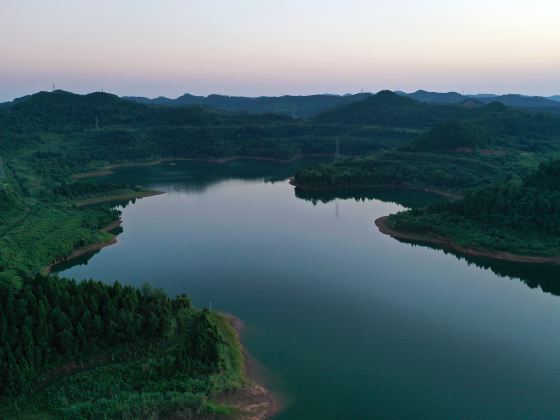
(451, 173)
(90, 350)
(491, 144)
(519, 217)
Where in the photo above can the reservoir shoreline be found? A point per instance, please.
(255, 398)
(448, 244)
(117, 197)
(86, 249)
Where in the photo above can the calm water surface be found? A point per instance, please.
(347, 322)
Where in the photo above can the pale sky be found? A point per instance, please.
(274, 47)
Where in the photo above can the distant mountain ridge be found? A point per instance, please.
(387, 108)
(540, 103)
(293, 106)
(312, 105)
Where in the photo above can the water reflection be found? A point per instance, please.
(199, 176)
(85, 258)
(536, 276)
(403, 197)
(543, 277)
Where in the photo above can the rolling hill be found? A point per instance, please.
(292, 106)
(534, 103)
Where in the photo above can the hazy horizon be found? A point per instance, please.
(264, 48)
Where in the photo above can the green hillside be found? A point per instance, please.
(520, 217)
(490, 144)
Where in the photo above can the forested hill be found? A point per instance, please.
(70, 132)
(477, 146)
(533, 103)
(60, 110)
(90, 351)
(311, 105)
(435, 97)
(518, 217)
(292, 106)
(495, 128)
(390, 109)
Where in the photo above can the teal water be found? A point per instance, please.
(347, 322)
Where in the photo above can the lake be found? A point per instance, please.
(345, 321)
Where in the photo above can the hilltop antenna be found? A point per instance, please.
(53, 87)
(337, 151)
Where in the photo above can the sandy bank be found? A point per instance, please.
(448, 244)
